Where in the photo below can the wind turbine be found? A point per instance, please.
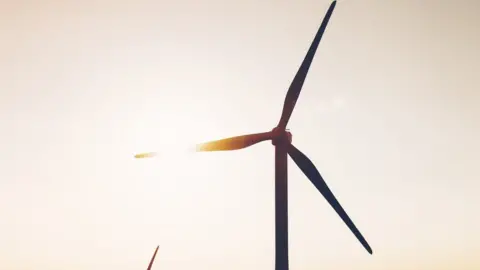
(153, 258)
(282, 140)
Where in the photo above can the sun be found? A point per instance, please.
(172, 133)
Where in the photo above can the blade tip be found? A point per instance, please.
(145, 155)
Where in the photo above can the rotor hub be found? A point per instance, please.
(281, 136)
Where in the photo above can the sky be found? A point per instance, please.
(389, 115)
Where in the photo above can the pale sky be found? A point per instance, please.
(389, 114)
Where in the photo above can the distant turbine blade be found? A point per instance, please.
(297, 83)
(234, 143)
(146, 155)
(153, 258)
(306, 165)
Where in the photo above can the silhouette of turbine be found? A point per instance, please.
(153, 258)
(282, 140)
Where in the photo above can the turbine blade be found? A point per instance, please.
(153, 258)
(307, 167)
(299, 79)
(234, 143)
(146, 155)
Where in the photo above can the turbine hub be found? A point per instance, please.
(281, 136)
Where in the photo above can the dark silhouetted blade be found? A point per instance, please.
(299, 79)
(153, 258)
(234, 143)
(312, 173)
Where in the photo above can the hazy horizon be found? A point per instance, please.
(389, 115)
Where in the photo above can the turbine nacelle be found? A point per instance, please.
(281, 136)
